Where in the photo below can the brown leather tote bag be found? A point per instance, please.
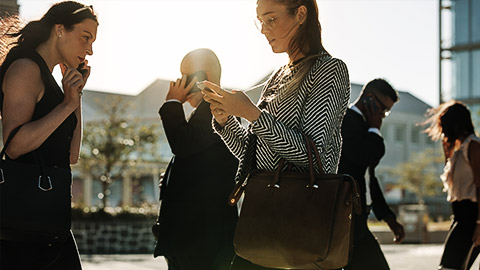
(292, 220)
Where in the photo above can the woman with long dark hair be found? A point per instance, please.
(451, 122)
(50, 118)
(309, 95)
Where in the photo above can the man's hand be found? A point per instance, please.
(396, 228)
(374, 118)
(178, 90)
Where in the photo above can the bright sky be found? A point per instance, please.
(141, 40)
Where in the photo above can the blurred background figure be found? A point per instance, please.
(451, 122)
(363, 147)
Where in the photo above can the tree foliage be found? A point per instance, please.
(115, 143)
(421, 174)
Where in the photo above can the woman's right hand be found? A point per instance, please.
(218, 114)
(234, 102)
(72, 83)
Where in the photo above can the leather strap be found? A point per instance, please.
(9, 139)
(240, 186)
(43, 175)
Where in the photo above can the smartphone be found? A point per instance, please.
(202, 86)
(82, 70)
(201, 76)
(371, 104)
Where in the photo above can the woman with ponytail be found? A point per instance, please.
(50, 118)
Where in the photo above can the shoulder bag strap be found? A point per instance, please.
(43, 177)
(9, 139)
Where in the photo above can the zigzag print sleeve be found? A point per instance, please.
(328, 90)
(233, 134)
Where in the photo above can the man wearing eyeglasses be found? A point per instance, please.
(362, 149)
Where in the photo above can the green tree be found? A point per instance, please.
(421, 174)
(115, 142)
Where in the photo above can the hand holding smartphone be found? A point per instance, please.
(202, 86)
(82, 70)
(201, 76)
(370, 103)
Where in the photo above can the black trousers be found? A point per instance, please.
(366, 252)
(459, 238)
(37, 255)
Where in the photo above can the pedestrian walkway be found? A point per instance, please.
(400, 257)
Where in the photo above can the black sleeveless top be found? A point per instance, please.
(55, 151)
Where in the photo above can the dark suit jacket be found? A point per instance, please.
(362, 149)
(194, 214)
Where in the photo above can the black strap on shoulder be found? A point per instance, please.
(9, 139)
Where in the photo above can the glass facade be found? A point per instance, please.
(476, 73)
(461, 22)
(466, 49)
(475, 19)
(461, 78)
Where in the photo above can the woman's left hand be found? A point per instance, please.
(476, 236)
(230, 103)
(85, 75)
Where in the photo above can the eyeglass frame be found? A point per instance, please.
(386, 112)
(259, 22)
(270, 22)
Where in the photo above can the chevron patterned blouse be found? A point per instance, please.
(316, 108)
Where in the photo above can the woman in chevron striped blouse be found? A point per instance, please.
(308, 95)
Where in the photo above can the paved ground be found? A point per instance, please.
(400, 257)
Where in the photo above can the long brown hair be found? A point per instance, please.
(308, 39)
(67, 13)
(452, 119)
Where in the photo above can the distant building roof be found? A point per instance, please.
(145, 105)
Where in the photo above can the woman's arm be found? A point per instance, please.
(77, 137)
(233, 134)
(326, 103)
(23, 88)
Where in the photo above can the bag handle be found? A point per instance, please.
(310, 148)
(240, 186)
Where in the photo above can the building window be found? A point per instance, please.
(476, 70)
(461, 72)
(400, 133)
(475, 21)
(416, 131)
(114, 193)
(461, 18)
(143, 190)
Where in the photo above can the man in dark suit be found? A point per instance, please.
(362, 149)
(196, 225)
